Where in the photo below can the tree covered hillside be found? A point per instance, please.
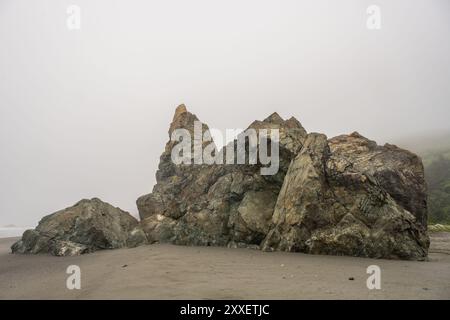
(437, 175)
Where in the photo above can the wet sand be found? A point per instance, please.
(178, 272)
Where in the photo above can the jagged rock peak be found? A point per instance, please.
(274, 118)
(179, 110)
(183, 119)
(292, 122)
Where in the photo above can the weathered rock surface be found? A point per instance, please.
(216, 204)
(335, 203)
(398, 171)
(343, 196)
(88, 226)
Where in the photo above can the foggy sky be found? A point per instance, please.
(85, 113)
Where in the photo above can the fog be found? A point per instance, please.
(85, 113)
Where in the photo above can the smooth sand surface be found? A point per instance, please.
(178, 272)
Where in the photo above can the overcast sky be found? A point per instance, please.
(85, 113)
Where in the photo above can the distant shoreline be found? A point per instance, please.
(12, 232)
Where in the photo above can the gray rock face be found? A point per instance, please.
(88, 226)
(398, 171)
(216, 204)
(332, 204)
(343, 196)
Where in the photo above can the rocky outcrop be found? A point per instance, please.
(333, 202)
(398, 171)
(343, 196)
(88, 226)
(216, 204)
(340, 196)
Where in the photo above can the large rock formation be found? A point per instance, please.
(343, 196)
(88, 226)
(219, 204)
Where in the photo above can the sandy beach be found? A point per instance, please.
(178, 272)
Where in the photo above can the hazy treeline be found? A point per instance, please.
(437, 174)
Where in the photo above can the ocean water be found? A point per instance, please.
(12, 232)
